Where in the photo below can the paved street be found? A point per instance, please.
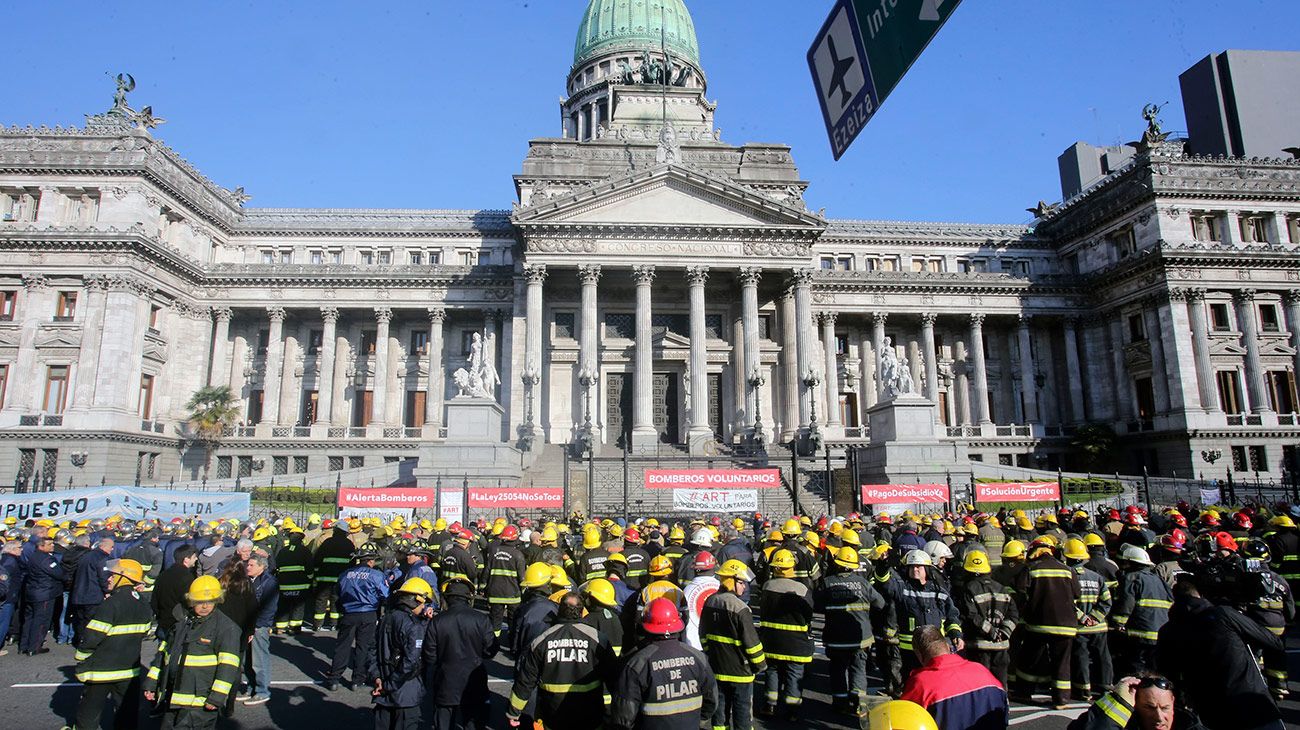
(40, 692)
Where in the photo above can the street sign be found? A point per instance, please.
(862, 52)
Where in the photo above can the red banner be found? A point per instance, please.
(1017, 492)
(380, 499)
(530, 498)
(712, 478)
(904, 493)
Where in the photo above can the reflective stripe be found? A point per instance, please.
(723, 640)
(850, 607)
(102, 627)
(116, 675)
(1154, 603)
(209, 660)
(676, 707)
(123, 630)
(153, 673)
(1114, 710)
(755, 649)
(1148, 635)
(505, 573)
(782, 627)
(184, 700)
(1050, 573)
(229, 659)
(517, 703)
(81, 656)
(503, 601)
(220, 686)
(565, 688)
(788, 658)
(1053, 630)
(859, 645)
(336, 561)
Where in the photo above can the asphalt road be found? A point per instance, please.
(40, 692)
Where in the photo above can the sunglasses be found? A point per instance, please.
(1157, 682)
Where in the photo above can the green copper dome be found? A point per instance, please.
(610, 26)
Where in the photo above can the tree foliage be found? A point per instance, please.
(212, 409)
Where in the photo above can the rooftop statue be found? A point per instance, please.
(1153, 133)
(896, 377)
(125, 85)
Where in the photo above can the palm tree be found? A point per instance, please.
(213, 409)
(1096, 441)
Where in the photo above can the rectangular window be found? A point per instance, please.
(316, 257)
(468, 258)
(1281, 390)
(279, 465)
(1125, 242)
(56, 389)
(1268, 319)
(434, 257)
(889, 263)
(621, 325)
(336, 256)
(368, 342)
(310, 411)
(979, 266)
(223, 467)
(1205, 227)
(564, 325)
(1220, 319)
(356, 462)
(145, 403)
(336, 463)
(873, 263)
(7, 301)
(315, 339)
(385, 257)
(844, 263)
(66, 308)
(153, 317)
(1258, 458)
(255, 407)
(416, 257)
(934, 266)
(263, 341)
(827, 263)
(713, 327)
(268, 257)
(300, 465)
(1146, 399)
(1293, 228)
(1229, 391)
(361, 408)
(841, 344)
(4, 383)
(963, 266)
(367, 258)
(918, 265)
(1022, 268)
(419, 342)
(1137, 331)
(415, 401)
(765, 327)
(1254, 229)
(286, 256)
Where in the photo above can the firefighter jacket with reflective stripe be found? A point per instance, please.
(531, 618)
(990, 615)
(1274, 608)
(362, 589)
(919, 605)
(506, 566)
(666, 685)
(110, 646)
(150, 558)
(786, 607)
(732, 645)
(457, 562)
(609, 624)
(806, 568)
(994, 539)
(1284, 550)
(848, 600)
(198, 664)
(638, 566)
(1142, 605)
(1050, 590)
(569, 666)
(293, 568)
(396, 658)
(332, 558)
(591, 565)
(1094, 602)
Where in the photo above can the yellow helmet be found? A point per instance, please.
(1018, 514)
(1075, 549)
(836, 528)
(812, 539)
(805, 521)
(792, 528)
(677, 534)
(590, 537)
(536, 576)
(783, 562)
(1282, 521)
(615, 532)
(261, 534)
(900, 715)
(204, 589)
(848, 557)
(417, 587)
(1013, 549)
(850, 538)
(776, 536)
(550, 536)
(125, 571)
(498, 528)
(735, 569)
(976, 562)
(660, 566)
(559, 578)
(1024, 523)
(1092, 539)
(971, 529)
(601, 591)
(738, 523)
(439, 524)
(313, 519)
(652, 522)
(880, 551)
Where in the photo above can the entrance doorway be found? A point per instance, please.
(618, 408)
(664, 394)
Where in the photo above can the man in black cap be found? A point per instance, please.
(457, 644)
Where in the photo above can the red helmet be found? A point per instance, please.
(1173, 542)
(1243, 520)
(455, 528)
(1134, 519)
(632, 535)
(1211, 519)
(822, 523)
(884, 519)
(1113, 515)
(716, 521)
(1224, 541)
(1179, 520)
(704, 560)
(758, 515)
(327, 524)
(661, 618)
(510, 533)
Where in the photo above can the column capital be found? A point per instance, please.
(827, 318)
(749, 275)
(94, 282)
(644, 274)
(35, 282)
(1292, 296)
(383, 315)
(802, 277)
(494, 315)
(329, 315)
(879, 318)
(977, 320)
(1024, 321)
(1070, 321)
(275, 314)
(589, 273)
(928, 319)
(222, 314)
(437, 315)
(697, 275)
(535, 273)
(1244, 295)
(1194, 294)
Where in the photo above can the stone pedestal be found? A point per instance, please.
(905, 447)
(473, 449)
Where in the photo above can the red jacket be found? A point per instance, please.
(959, 694)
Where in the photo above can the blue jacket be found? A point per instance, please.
(959, 693)
(11, 574)
(267, 593)
(44, 577)
(90, 584)
(362, 589)
(422, 570)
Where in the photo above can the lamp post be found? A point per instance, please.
(586, 439)
(1209, 456)
(530, 378)
(756, 382)
(812, 379)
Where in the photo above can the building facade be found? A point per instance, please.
(653, 288)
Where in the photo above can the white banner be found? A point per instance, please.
(719, 501)
(133, 503)
(451, 505)
(1210, 496)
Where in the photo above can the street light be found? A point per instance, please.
(586, 438)
(1210, 456)
(757, 381)
(530, 378)
(812, 379)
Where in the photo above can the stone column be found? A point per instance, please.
(96, 288)
(1073, 373)
(1206, 386)
(830, 370)
(217, 372)
(437, 382)
(930, 359)
(804, 340)
(1292, 299)
(587, 345)
(325, 366)
(35, 306)
(696, 277)
(878, 349)
(961, 384)
(1028, 382)
(535, 276)
(868, 355)
(1256, 386)
(1125, 407)
(379, 361)
(1159, 375)
(1232, 228)
(980, 412)
(789, 368)
(272, 367)
(749, 316)
(643, 427)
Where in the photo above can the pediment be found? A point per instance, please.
(669, 341)
(58, 339)
(1225, 347)
(1275, 347)
(667, 195)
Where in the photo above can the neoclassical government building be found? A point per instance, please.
(653, 285)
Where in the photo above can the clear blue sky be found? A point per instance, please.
(430, 104)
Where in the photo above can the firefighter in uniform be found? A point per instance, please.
(457, 560)
(1092, 674)
(108, 660)
(332, 558)
(570, 665)
(599, 599)
(807, 569)
(666, 684)
(989, 615)
(1141, 607)
(848, 600)
(1273, 609)
(732, 645)
(194, 671)
(1049, 592)
(1099, 561)
(592, 563)
(917, 600)
(292, 572)
(150, 557)
(1284, 547)
(786, 606)
(506, 568)
(362, 591)
(676, 548)
(638, 560)
(395, 665)
(535, 610)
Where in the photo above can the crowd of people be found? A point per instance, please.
(1168, 620)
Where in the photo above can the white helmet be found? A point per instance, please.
(917, 557)
(1135, 554)
(937, 550)
(702, 537)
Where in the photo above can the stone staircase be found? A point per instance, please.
(548, 469)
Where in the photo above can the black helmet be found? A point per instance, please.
(1257, 549)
